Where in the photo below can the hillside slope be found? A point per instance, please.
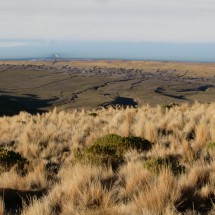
(146, 160)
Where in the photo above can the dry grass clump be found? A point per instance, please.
(1, 206)
(110, 161)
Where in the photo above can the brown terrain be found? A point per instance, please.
(38, 86)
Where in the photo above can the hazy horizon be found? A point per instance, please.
(29, 49)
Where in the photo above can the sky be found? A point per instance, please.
(30, 26)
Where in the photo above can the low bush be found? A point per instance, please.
(93, 114)
(171, 162)
(9, 158)
(109, 150)
(169, 106)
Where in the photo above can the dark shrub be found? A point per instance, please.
(52, 167)
(156, 164)
(93, 114)
(9, 158)
(109, 150)
(169, 106)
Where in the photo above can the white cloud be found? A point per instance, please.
(109, 20)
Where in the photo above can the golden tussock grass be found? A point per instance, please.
(184, 183)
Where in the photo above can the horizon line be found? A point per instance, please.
(38, 59)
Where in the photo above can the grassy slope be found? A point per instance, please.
(48, 142)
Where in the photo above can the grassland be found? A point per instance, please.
(107, 137)
(158, 160)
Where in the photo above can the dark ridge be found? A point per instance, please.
(202, 88)
(30, 95)
(160, 91)
(120, 101)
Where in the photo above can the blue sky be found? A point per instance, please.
(38, 28)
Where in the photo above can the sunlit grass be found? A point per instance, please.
(175, 175)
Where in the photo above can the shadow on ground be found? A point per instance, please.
(161, 91)
(120, 101)
(13, 105)
(202, 88)
(14, 199)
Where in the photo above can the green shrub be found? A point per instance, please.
(109, 150)
(9, 158)
(156, 164)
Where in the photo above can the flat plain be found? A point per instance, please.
(41, 85)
